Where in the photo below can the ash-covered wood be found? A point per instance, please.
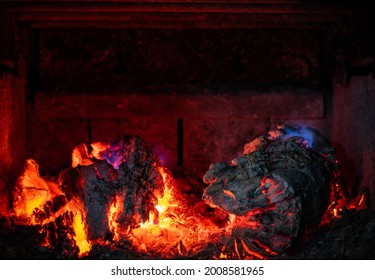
(94, 186)
(277, 187)
(124, 173)
(139, 179)
(125, 170)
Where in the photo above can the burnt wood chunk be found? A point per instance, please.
(277, 187)
(125, 170)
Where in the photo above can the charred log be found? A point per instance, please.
(139, 179)
(125, 170)
(280, 185)
(94, 185)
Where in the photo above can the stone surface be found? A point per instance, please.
(190, 102)
(82, 60)
(353, 133)
(12, 136)
(50, 141)
(216, 123)
(215, 140)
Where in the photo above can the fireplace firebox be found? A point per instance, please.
(194, 81)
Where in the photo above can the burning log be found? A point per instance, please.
(104, 193)
(124, 174)
(280, 185)
(33, 192)
(94, 186)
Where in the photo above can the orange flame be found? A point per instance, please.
(80, 234)
(173, 228)
(114, 212)
(98, 148)
(79, 227)
(33, 192)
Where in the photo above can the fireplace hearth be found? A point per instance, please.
(118, 200)
(196, 81)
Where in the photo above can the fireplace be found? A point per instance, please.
(196, 81)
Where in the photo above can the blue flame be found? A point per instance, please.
(305, 133)
(114, 155)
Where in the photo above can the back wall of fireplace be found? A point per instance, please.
(195, 85)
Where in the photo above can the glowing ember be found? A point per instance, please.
(174, 228)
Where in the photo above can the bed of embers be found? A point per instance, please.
(281, 199)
